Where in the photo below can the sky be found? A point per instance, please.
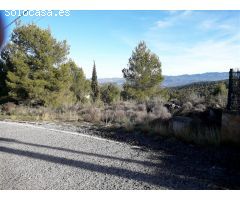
(186, 42)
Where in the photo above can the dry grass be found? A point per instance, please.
(126, 114)
(201, 136)
(91, 114)
(39, 114)
(123, 113)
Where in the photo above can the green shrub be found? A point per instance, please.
(110, 93)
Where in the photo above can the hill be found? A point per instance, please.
(174, 81)
(201, 88)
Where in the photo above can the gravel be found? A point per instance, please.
(51, 156)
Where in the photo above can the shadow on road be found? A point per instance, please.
(219, 167)
(145, 163)
(174, 171)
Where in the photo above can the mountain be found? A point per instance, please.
(174, 81)
(118, 81)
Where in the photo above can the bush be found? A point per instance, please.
(140, 117)
(110, 93)
(150, 104)
(107, 116)
(128, 105)
(8, 108)
(91, 114)
(141, 107)
(161, 112)
(200, 107)
(136, 113)
(219, 101)
(120, 116)
(196, 99)
(187, 107)
(220, 89)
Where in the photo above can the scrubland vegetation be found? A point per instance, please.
(39, 82)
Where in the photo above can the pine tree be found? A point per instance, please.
(80, 85)
(35, 67)
(94, 85)
(143, 75)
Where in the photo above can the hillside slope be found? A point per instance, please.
(173, 81)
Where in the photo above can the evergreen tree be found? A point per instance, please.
(94, 85)
(220, 89)
(143, 75)
(35, 67)
(80, 85)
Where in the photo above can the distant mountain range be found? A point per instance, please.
(173, 81)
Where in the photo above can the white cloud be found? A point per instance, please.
(186, 13)
(172, 18)
(212, 45)
(208, 56)
(163, 23)
(225, 26)
(207, 24)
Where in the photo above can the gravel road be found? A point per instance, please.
(37, 157)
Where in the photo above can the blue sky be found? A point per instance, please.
(187, 42)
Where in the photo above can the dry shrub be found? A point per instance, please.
(156, 127)
(161, 112)
(141, 107)
(43, 114)
(200, 107)
(108, 116)
(219, 101)
(91, 114)
(22, 110)
(68, 116)
(8, 108)
(136, 113)
(154, 102)
(47, 116)
(159, 100)
(150, 116)
(130, 114)
(120, 105)
(125, 105)
(140, 117)
(187, 107)
(120, 116)
(128, 125)
(201, 136)
(196, 99)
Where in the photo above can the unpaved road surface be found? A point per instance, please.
(36, 157)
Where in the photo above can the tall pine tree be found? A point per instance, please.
(34, 67)
(94, 85)
(143, 75)
(80, 85)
